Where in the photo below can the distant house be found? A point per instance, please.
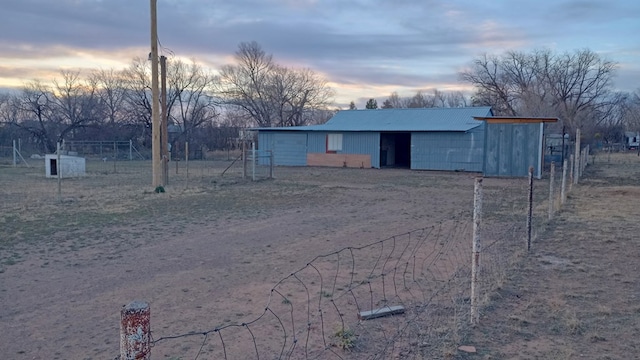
(452, 139)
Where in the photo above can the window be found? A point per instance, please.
(334, 143)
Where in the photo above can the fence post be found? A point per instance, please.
(571, 163)
(563, 190)
(14, 154)
(576, 159)
(244, 159)
(135, 331)
(130, 149)
(530, 214)
(186, 161)
(475, 260)
(270, 164)
(253, 161)
(59, 171)
(552, 175)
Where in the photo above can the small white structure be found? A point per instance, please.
(70, 166)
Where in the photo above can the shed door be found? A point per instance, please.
(290, 149)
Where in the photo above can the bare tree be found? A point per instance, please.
(269, 93)
(572, 86)
(111, 90)
(189, 103)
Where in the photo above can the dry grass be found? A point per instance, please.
(573, 296)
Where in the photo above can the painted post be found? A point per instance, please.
(475, 259)
(530, 214)
(576, 173)
(135, 331)
(59, 171)
(563, 190)
(552, 175)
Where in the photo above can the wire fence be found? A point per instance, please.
(372, 302)
(407, 296)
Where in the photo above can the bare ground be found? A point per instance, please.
(207, 252)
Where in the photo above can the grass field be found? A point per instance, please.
(208, 251)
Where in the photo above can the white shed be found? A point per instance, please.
(70, 166)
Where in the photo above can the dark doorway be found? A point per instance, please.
(395, 150)
(53, 165)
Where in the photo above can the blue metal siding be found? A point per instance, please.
(317, 142)
(511, 148)
(289, 148)
(367, 143)
(363, 143)
(448, 150)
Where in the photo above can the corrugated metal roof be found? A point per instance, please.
(422, 119)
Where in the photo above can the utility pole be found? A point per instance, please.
(164, 136)
(155, 102)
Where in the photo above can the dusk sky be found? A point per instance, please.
(364, 48)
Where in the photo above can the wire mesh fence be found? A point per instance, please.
(371, 302)
(327, 309)
(407, 296)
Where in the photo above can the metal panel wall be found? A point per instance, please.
(448, 150)
(289, 148)
(511, 148)
(365, 143)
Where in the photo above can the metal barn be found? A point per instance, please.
(419, 139)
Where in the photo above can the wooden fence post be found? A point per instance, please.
(552, 175)
(571, 163)
(475, 260)
(135, 331)
(563, 190)
(530, 214)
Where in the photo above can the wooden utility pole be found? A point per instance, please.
(155, 102)
(164, 136)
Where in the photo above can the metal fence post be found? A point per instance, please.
(270, 164)
(15, 157)
(253, 161)
(563, 190)
(552, 175)
(530, 214)
(135, 331)
(576, 159)
(475, 260)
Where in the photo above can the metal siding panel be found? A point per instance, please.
(316, 142)
(290, 148)
(492, 153)
(506, 150)
(367, 143)
(447, 150)
(519, 162)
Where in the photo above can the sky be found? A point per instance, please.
(363, 48)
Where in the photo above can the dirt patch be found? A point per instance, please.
(207, 253)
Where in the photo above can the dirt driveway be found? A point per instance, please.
(207, 254)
